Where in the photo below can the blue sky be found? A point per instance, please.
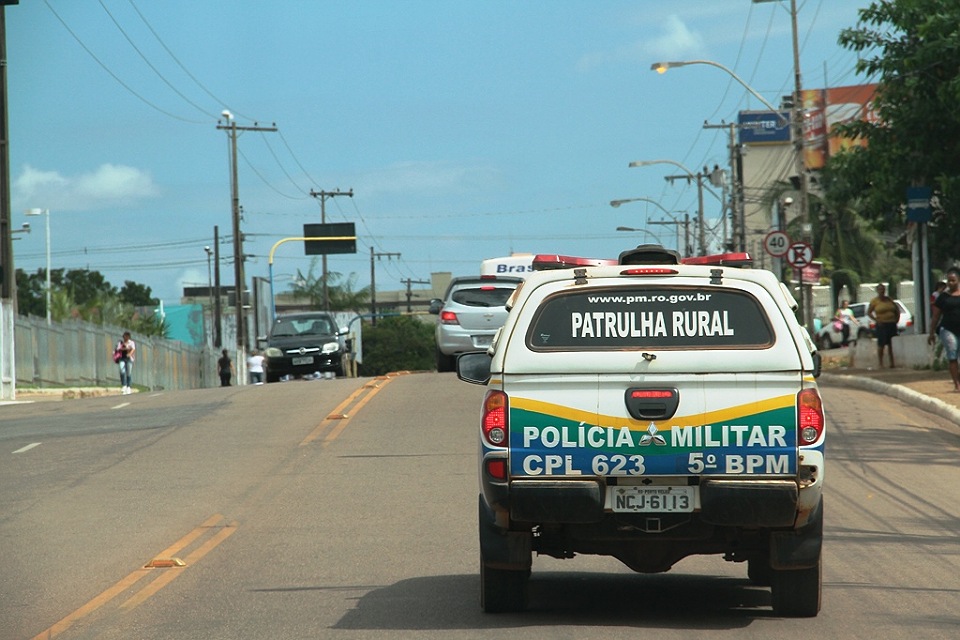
(465, 129)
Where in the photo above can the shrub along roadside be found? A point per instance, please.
(397, 343)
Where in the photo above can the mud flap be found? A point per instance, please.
(503, 549)
(798, 549)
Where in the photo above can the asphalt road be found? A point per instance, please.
(347, 509)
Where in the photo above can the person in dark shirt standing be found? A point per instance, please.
(946, 322)
(225, 369)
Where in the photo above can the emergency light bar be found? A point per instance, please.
(734, 259)
(547, 261)
(642, 255)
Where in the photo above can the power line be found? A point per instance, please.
(180, 64)
(150, 64)
(112, 74)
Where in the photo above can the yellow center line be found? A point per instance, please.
(339, 410)
(336, 431)
(124, 583)
(340, 414)
(173, 573)
(93, 605)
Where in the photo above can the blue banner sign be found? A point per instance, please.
(764, 127)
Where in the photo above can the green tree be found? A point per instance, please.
(85, 286)
(912, 50)
(842, 238)
(138, 295)
(31, 299)
(397, 343)
(81, 294)
(340, 290)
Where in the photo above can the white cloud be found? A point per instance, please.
(677, 41)
(109, 185)
(674, 41)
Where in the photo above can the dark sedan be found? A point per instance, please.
(303, 344)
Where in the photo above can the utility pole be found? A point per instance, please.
(323, 195)
(701, 227)
(8, 281)
(239, 279)
(685, 223)
(737, 217)
(806, 293)
(409, 282)
(373, 282)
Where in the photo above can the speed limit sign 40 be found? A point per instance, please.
(776, 243)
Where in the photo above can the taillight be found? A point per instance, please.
(494, 419)
(497, 468)
(809, 416)
(448, 317)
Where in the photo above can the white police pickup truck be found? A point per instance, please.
(651, 408)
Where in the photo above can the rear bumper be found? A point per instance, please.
(283, 366)
(459, 340)
(768, 504)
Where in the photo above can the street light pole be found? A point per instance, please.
(46, 214)
(673, 220)
(209, 276)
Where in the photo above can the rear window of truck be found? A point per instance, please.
(622, 318)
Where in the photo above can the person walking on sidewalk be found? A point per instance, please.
(255, 367)
(885, 312)
(124, 356)
(946, 322)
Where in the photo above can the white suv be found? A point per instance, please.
(651, 408)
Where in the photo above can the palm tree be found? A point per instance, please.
(340, 292)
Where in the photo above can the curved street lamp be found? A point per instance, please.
(661, 68)
(796, 122)
(617, 203)
(647, 231)
(673, 220)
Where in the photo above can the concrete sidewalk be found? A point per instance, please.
(913, 381)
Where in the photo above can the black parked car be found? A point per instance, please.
(304, 344)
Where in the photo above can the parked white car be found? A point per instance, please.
(830, 334)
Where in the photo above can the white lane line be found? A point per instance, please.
(28, 447)
(121, 405)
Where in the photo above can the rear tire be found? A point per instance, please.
(759, 571)
(796, 593)
(503, 591)
(445, 362)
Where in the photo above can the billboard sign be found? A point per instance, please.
(764, 127)
(343, 238)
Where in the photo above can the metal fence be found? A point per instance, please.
(79, 354)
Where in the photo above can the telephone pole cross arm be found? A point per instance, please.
(322, 196)
(232, 128)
